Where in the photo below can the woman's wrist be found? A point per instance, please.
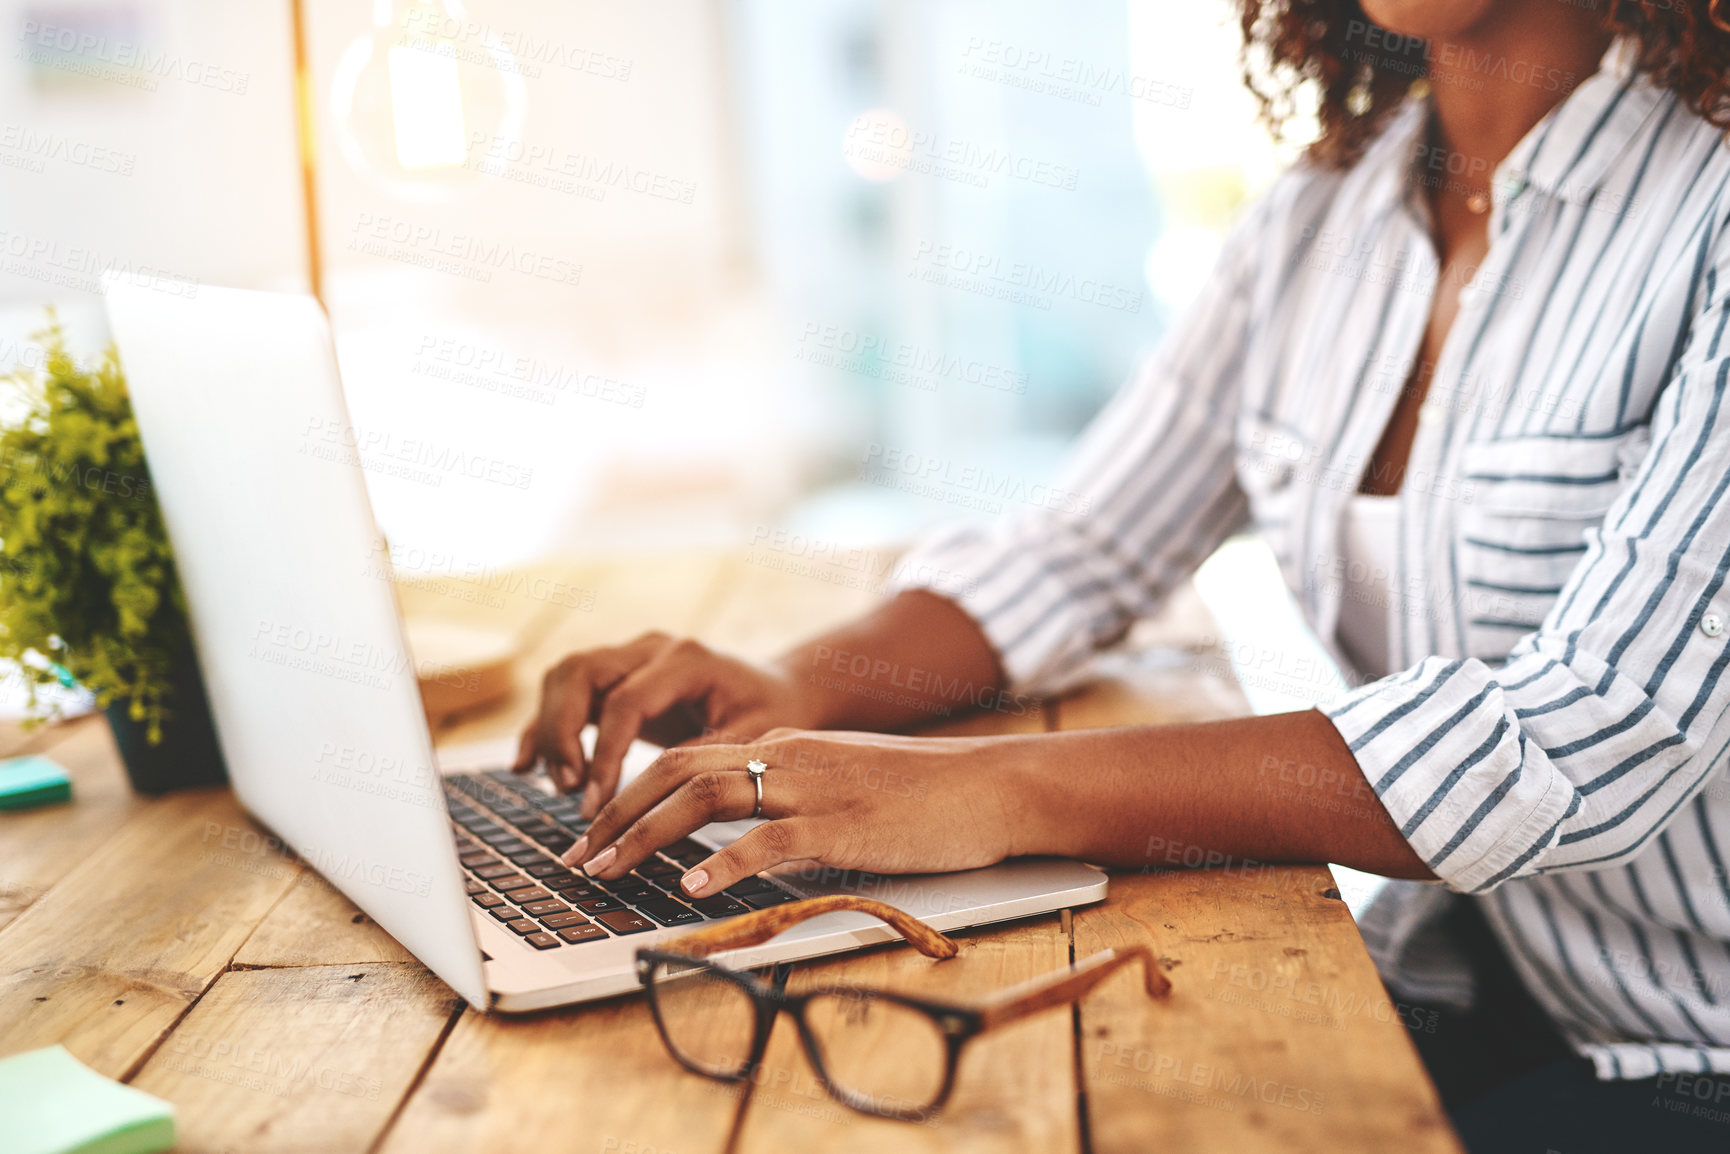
(1036, 808)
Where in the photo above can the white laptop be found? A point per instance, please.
(314, 694)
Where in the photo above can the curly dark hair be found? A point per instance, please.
(1363, 72)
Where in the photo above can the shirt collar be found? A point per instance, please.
(1569, 153)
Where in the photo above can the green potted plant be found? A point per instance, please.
(88, 589)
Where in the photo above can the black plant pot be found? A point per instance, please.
(187, 755)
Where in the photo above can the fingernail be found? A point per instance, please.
(694, 881)
(602, 860)
(574, 855)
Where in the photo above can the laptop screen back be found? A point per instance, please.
(311, 684)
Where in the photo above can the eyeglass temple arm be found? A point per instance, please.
(1069, 985)
(761, 925)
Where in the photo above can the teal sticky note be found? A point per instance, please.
(31, 781)
(54, 1104)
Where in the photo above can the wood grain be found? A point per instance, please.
(38, 847)
(1015, 1087)
(127, 915)
(1278, 1035)
(110, 958)
(588, 1080)
(314, 1058)
(317, 925)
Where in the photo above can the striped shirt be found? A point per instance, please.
(1553, 739)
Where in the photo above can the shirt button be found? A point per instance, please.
(1711, 625)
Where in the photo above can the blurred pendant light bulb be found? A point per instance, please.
(420, 99)
(427, 109)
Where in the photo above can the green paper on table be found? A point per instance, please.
(54, 1104)
(32, 781)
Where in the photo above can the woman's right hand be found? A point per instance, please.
(668, 690)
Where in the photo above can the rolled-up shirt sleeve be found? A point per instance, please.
(1607, 719)
(1149, 493)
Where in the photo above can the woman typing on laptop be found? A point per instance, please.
(1465, 368)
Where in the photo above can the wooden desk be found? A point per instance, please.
(170, 944)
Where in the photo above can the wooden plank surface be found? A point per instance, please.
(227, 943)
(1277, 1035)
(38, 847)
(109, 959)
(313, 1058)
(316, 924)
(592, 1079)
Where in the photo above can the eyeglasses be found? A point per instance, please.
(876, 1051)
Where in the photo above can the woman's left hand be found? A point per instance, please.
(862, 801)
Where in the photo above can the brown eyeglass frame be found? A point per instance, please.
(957, 1023)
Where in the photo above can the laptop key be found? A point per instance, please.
(510, 846)
(750, 885)
(687, 852)
(769, 898)
(669, 912)
(599, 905)
(537, 894)
(541, 940)
(506, 913)
(580, 891)
(658, 868)
(497, 870)
(514, 882)
(559, 881)
(524, 926)
(527, 857)
(550, 869)
(584, 933)
(719, 906)
(474, 859)
(631, 889)
(563, 921)
(625, 922)
(488, 901)
(544, 906)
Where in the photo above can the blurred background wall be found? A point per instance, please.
(687, 269)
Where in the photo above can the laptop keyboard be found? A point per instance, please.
(509, 837)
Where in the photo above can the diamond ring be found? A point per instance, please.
(756, 769)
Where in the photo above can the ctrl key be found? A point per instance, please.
(582, 933)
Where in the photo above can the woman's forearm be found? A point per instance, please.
(916, 659)
(1282, 788)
